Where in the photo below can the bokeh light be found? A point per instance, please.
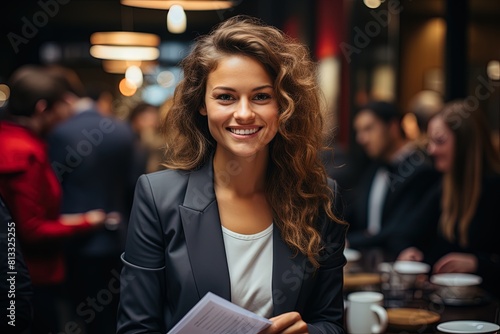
(165, 79)
(127, 88)
(134, 75)
(372, 3)
(493, 70)
(4, 94)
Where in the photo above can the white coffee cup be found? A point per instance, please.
(365, 314)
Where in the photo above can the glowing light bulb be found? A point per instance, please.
(176, 19)
(372, 3)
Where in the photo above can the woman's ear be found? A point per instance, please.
(203, 111)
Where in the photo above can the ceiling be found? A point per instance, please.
(73, 21)
(83, 16)
(478, 9)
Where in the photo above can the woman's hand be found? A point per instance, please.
(411, 254)
(287, 323)
(456, 263)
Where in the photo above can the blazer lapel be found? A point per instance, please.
(203, 233)
(288, 275)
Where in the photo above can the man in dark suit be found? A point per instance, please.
(92, 156)
(387, 210)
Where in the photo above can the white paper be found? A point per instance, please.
(215, 315)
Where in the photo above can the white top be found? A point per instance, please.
(250, 263)
(376, 200)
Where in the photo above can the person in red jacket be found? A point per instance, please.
(30, 187)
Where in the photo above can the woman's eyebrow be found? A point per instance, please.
(233, 90)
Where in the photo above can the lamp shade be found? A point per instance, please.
(120, 66)
(124, 45)
(186, 4)
(124, 52)
(125, 38)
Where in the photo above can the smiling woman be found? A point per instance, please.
(242, 115)
(245, 209)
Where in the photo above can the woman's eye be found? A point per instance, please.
(224, 97)
(262, 96)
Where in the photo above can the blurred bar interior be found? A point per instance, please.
(366, 49)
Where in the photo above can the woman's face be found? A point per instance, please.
(241, 107)
(441, 144)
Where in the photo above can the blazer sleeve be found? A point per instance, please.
(143, 277)
(325, 310)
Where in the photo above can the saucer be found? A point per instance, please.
(456, 279)
(411, 267)
(467, 326)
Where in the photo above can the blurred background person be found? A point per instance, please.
(467, 234)
(102, 96)
(92, 155)
(144, 120)
(17, 317)
(31, 190)
(421, 108)
(387, 199)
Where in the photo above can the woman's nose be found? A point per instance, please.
(244, 111)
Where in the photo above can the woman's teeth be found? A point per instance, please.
(244, 131)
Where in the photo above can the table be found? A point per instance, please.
(485, 312)
(362, 275)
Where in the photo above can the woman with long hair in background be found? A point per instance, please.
(468, 216)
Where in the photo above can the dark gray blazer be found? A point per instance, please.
(175, 254)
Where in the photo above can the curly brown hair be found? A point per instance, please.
(297, 187)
